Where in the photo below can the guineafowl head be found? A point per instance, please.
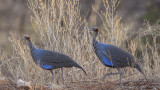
(26, 37)
(95, 29)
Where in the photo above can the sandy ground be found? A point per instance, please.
(88, 85)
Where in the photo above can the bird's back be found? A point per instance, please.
(52, 60)
(57, 60)
(117, 56)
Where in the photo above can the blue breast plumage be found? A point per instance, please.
(37, 55)
(101, 53)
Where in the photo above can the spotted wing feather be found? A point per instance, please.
(56, 60)
(116, 55)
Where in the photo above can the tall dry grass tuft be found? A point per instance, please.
(59, 27)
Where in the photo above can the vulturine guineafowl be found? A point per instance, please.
(113, 56)
(50, 60)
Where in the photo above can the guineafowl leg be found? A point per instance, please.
(52, 75)
(118, 73)
(108, 74)
(50, 86)
(62, 76)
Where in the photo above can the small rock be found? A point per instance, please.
(21, 83)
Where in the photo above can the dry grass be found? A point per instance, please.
(59, 27)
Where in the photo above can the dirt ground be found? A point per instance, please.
(88, 85)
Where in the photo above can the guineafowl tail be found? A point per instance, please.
(78, 66)
(137, 66)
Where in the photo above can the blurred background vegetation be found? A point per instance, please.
(15, 16)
